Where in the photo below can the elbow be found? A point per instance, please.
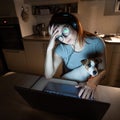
(48, 75)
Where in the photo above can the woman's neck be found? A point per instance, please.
(76, 46)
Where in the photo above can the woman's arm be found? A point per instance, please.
(93, 82)
(52, 62)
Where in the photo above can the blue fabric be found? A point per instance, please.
(93, 47)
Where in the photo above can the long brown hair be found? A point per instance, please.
(82, 34)
(69, 19)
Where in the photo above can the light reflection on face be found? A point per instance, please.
(68, 35)
(65, 33)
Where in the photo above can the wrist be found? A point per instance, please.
(50, 49)
(91, 84)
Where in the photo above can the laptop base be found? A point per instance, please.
(70, 106)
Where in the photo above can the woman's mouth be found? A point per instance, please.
(68, 41)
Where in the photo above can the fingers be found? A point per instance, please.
(55, 31)
(80, 85)
(86, 93)
(81, 92)
(92, 95)
(51, 30)
(88, 96)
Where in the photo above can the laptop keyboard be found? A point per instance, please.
(66, 90)
(62, 89)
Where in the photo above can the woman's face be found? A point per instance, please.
(66, 34)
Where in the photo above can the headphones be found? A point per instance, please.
(72, 20)
(64, 18)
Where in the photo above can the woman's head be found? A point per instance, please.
(66, 19)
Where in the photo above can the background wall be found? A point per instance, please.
(26, 26)
(92, 16)
(91, 13)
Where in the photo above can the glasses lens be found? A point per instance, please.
(60, 38)
(66, 31)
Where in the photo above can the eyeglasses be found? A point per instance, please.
(65, 33)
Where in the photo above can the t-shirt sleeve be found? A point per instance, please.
(100, 46)
(60, 50)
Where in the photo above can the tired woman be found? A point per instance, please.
(75, 45)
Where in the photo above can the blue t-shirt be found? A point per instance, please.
(94, 47)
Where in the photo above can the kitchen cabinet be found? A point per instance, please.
(51, 9)
(35, 56)
(48, 2)
(113, 65)
(35, 53)
(7, 8)
(16, 60)
(110, 7)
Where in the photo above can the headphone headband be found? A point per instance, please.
(64, 18)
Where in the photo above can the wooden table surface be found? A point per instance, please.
(13, 106)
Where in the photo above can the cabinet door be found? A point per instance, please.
(16, 60)
(7, 9)
(109, 51)
(114, 71)
(35, 56)
(113, 65)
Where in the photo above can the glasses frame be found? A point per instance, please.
(63, 35)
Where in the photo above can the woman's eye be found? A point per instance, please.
(66, 31)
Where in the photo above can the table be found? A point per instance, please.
(112, 96)
(13, 106)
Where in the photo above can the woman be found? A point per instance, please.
(75, 45)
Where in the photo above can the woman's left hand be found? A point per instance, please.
(86, 92)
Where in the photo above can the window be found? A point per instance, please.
(117, 6)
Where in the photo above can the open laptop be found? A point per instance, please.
(61, 97)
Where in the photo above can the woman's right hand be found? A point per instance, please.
(54, 32)
(52, 60)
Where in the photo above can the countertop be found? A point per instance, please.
(33, 37)
(13, 106)
(115, 39)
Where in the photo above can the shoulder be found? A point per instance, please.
(63, 49)
(97, 43)
(95, 40)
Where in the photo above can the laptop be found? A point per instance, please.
(61, 97)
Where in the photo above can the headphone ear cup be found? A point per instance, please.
(75, 26)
